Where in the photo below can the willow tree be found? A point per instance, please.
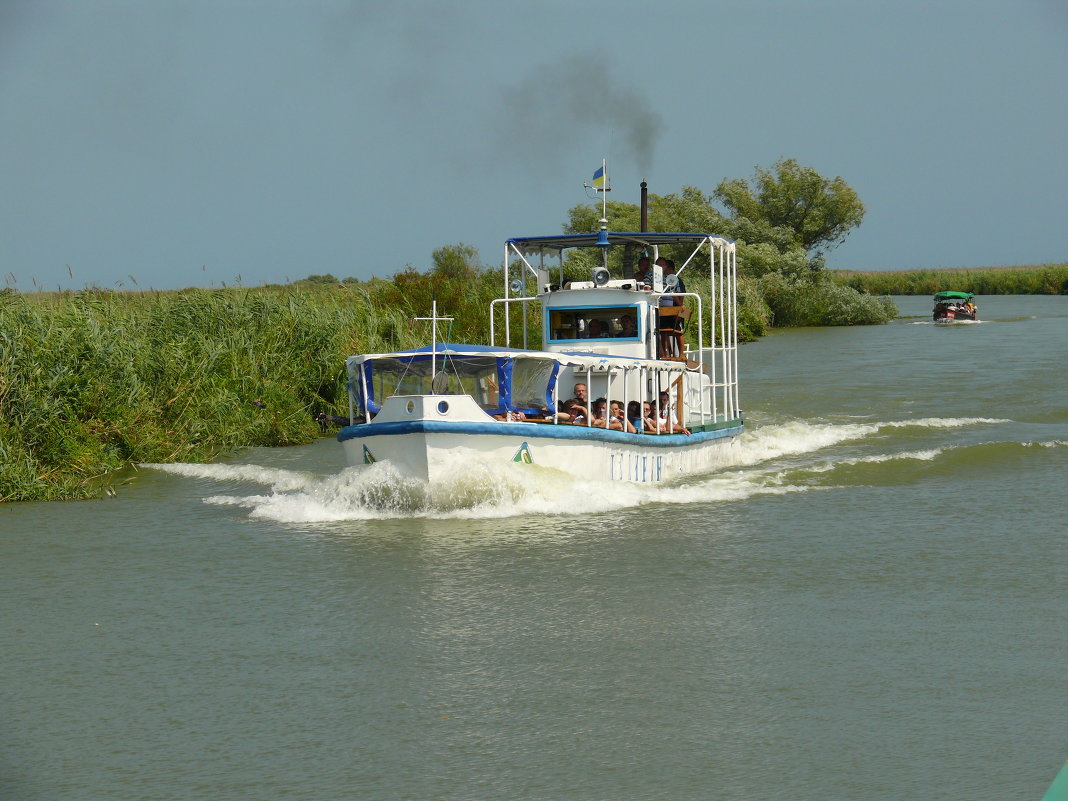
(817, 213)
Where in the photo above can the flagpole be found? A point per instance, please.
(604, 190)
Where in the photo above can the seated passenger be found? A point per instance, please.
(648, 420)
(581, 393)
(619, 416)
(596, 329)
(634, 415)
(669, 422)
(602, 417)
(575, 412)
(628, 328)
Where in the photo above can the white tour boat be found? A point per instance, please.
(437, 411)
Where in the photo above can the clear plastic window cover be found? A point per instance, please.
(497, 384)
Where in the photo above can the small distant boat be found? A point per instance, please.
(954, 307)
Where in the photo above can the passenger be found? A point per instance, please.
(634, 415)
(581, 398)
(600, 417)
(669, 422)
(648, 420)
(597, 412)
(666, 413)
(597, 330)
(641, 273)
(576, 412)
(628, 327)
(620, 416)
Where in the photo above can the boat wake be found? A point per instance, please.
(775, 459)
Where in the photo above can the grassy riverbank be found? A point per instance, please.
(1048, 279)
(94, 381)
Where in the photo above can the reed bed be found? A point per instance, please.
(1049, 279)
(91, 382)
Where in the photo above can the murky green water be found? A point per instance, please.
(873, 605)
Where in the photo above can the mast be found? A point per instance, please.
(604, 190)
(433, 339)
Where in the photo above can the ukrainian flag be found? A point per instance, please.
(598, 177)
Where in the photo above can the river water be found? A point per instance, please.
(872, 604)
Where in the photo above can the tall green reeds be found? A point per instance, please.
(92, 381)
(1050, 279)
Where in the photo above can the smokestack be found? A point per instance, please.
(645, 208)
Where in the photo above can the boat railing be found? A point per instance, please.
(507, 321)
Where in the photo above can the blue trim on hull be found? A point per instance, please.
(535, 430)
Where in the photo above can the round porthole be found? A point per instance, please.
(410, 406)
(443, 407)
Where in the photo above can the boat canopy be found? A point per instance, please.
(953, 296)
(561, 242)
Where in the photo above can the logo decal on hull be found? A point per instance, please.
(523, 455)
(368, 457)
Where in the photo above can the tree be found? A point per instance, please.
(456, 262)
(818, 211)
(782, 223)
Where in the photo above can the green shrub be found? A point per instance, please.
(800, 302)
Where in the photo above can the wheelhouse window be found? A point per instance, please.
(598, 322)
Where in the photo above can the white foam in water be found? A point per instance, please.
(795, 438)
(945, 422)
(377, 491)
(278, 480)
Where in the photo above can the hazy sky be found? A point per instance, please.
(201, 142)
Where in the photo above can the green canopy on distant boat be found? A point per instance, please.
(953, 296)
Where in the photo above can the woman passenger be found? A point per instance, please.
(648, 421)
(634, 415)
(620, 417)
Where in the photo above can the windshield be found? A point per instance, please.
(496, 383)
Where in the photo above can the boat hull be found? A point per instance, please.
(436, 450)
